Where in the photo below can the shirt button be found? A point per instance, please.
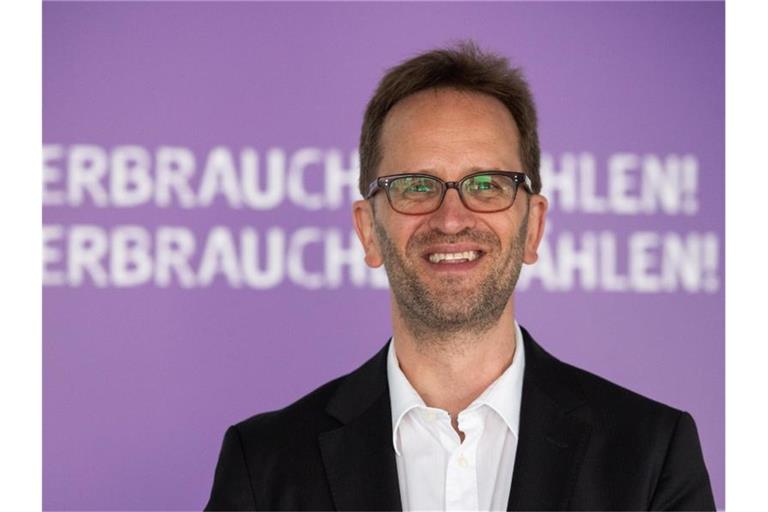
(463, 462)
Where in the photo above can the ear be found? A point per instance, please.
(537, 212)
(362, 214)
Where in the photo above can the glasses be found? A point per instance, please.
(482, 192)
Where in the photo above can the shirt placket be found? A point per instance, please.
(461, 490)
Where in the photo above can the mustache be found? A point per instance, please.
(434, 237)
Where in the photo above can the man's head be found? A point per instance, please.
(453, 269)
(466, 68)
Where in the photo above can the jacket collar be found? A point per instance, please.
(358, 456)
(360, 461)
(555, 427)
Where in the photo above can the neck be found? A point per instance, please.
(451, 370)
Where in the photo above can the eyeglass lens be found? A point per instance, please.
(481, 193)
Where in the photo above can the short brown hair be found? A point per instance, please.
(464, 67)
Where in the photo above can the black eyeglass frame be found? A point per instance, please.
(384, 182)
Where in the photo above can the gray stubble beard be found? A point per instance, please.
(429, 316)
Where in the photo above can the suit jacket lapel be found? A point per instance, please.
(554, 430)
(359, 458)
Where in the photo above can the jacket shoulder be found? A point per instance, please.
(273, 460)
(611, 398)
(638, 439)
(264, 458)
(305, 416)
(294, 429)
(572, 385)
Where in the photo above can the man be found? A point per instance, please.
(461, 409)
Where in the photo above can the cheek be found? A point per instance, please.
(506, 229)
(512, 238)
(392, 238)
(405, 234)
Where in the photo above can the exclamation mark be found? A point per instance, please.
(689, 184)
(710, 258)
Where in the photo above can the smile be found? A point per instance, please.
(453, 257)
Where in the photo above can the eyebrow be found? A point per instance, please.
(467, 172)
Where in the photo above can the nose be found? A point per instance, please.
(452, 217)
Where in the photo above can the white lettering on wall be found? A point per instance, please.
(129, 181)
(52, 179)
(175, 247)
(220, 178)
(86, 168)
(310, 179)
(52, 256)
(174, 168)
(269, 194)
(634, 184)
(219, 257)
(304, 158)
(643, 262)
(129, 256)
(273, 268)
(86, 248)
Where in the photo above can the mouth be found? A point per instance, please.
(453, 258)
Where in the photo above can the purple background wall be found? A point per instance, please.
(141, 381)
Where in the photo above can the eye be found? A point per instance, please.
(416, 186)
(485, 183)
(419, 186)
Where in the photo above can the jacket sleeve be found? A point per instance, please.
(683, 482)
(232, 488)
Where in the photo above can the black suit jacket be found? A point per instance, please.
(585, 444)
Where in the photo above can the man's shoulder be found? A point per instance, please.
(609, 402)
(307, 414)
(324, 408)
(606, 395)
(646, 448)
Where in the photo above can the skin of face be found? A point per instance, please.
(450, 134)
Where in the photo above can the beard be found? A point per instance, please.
(452, 304)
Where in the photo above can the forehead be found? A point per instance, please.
(449, 132)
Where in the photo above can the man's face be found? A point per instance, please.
(450, 134)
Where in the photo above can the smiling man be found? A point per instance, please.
(461, 409)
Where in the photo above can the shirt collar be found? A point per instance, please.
(402, 396)
(503, 395)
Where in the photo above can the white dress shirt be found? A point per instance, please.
(436, 471)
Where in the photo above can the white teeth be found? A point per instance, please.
(453, 257)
